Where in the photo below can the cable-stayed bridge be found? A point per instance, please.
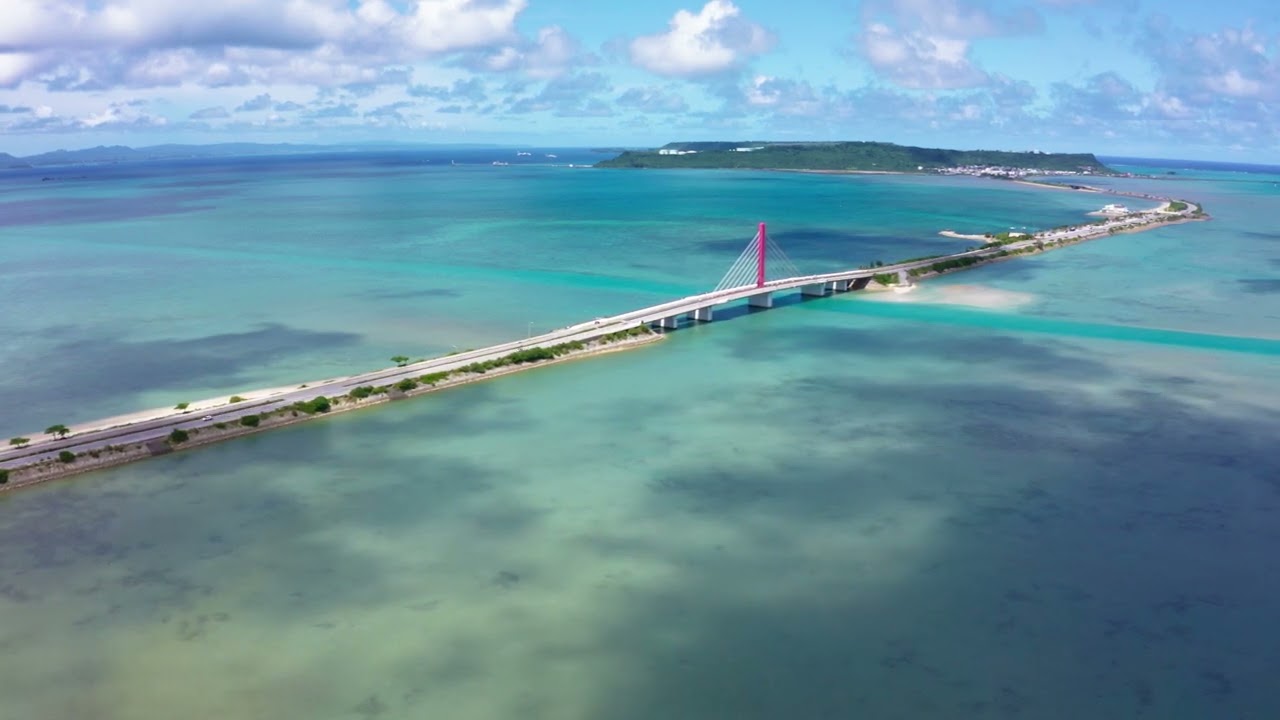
(760, 271)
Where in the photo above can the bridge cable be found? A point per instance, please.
(736, 276)
(742, 273)
(778, 259)
(742, 270)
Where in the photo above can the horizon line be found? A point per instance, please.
(356, 145)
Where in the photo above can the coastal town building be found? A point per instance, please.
(1000, 171)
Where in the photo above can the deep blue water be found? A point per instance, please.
(1201, 165)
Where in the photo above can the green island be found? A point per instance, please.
(848, 157)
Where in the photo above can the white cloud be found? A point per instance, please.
(784, 96)
(130, 24)
(503, 59)
(15, 67)
(1234, 83)
(916, 59)
(567, 96)
(553, 53)
(1231, 65)
(28, 24)
(1169, 106)
(652, 100)
(926, 44)
(211, 113)
(437, 26)
(90, 44)
(256, 103)
(712, 41)
(166, 67)
(118, 115)
(1213, 86)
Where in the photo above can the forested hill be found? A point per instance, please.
(844, 156)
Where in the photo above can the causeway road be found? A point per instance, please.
(90, 436)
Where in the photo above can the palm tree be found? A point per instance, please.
(58, 431)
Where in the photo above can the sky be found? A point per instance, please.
(1186, 79)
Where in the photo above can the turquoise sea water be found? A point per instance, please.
(1062, 507)
(175, 282)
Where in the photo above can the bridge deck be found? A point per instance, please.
(89, 436)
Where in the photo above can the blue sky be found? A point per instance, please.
(1173, 78)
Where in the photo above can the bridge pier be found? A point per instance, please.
(814, 290)
(702, 314)
(669, 323)
(763, 300)
(838, 286)
(904, 278)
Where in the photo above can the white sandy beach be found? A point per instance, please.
(195, 408)
(962, 236)
(1056, 186)
(976, 296)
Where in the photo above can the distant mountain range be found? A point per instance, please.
(121, 153)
